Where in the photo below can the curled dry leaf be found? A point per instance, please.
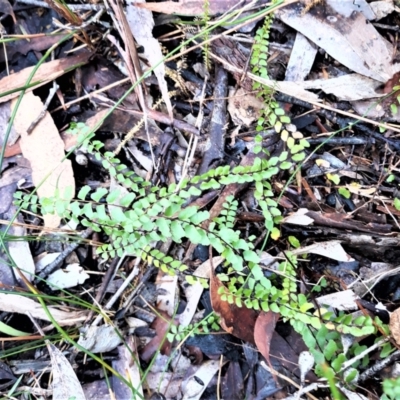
(160, 325)
(243, 107)
(394, 325)
(44, 143)
(263, 332)
(344, 300)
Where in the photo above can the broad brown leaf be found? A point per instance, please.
(237, 321)
(395, 325)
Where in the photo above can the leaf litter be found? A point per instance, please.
(327, 59)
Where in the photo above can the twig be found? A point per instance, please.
(215, 151)
(342, 122)
(53, 266)
(70, 27)
(114, 298)
(107, 278)
(339, 141)
(370, 372)
(45, 107)
(72, 7)
(349, 363)
(304, 390)
(125, 307)
(92, 94)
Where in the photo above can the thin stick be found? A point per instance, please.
(72, 7)
(127, 281)
(42, 114)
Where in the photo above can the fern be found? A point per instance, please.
(272, 114)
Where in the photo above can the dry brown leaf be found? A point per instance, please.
(394, 325)
(237, 321)
(301, 59)
(160, 325)
(46, 73)
(44, 149)
(194, 7)
(263, 332)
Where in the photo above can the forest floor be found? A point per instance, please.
(200, 199)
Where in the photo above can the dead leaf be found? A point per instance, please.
(350, 87)
(345, 300)
(44, 143)
(394, 325)
(24, 46)
(160, 325)
(301, 59)
(194, 292)
(243, 107)
(168, 288)
(360, 190)
(128, 368)
(99, 339)
(70, 276)
(18, 175)
(298, 218)
(194, 7)
(382, 8)
(65, 382)
(348, 39)
(263, 331)
(199, 381)
(5, 114)
(140, 17)
(233, 382)
(14, 303)
(167, 383)
(21, 254)
(332, 249)
(238, 321)
(47, 72)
